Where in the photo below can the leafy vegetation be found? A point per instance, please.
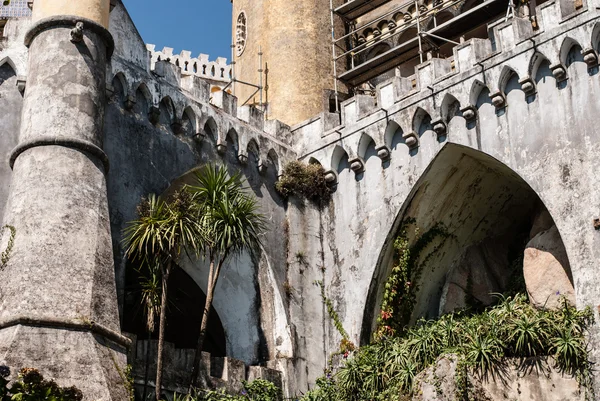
(230, 224)
(214, 217)
(163, 230)
(401, 287)
(31, 386)
(258, 390)
(479, 339)
(513, 328)
(304, 180)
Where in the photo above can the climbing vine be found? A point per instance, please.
(401, 287)
(346, 345)
(5, 256)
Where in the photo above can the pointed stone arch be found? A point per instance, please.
(392, 129)
(211, 130)
(449, 108)
(189, 122)
(273, 162)
(143, 99)
(568, 45)
(363, 144)
(120, 85)
(506, 74)
(476, 87)
(420, 121)
(537, 59)
(167, 111)
(233, 141)
(338, 156)
(489, 212)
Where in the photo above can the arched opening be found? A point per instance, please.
(188, 122)
(496, 236)
(143, 99)
(185, 302)
(11, 101)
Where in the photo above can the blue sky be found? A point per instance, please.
(200, 26)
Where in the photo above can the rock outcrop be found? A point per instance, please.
(532, 379)
(546, 270)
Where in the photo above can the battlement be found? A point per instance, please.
(477, 66)
(201, 66)
(218, 372)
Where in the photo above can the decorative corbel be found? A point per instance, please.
(357, 165)
(129, 102)
(590, 57)
(262, 168)
(331, 178)
(222, 148)
(243, 159)
(527, 85)
(21, 83)
(559, 71)
(177, 126)
(439, 127)
(154, 114)
(77, 32)
(498, 99)
(383, 152)
(469, 112)
(411, 139)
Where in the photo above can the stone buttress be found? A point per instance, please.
(58, 305)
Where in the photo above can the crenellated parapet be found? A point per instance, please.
(443, 91)
(184, 105)
(201, 66)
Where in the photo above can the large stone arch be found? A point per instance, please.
(492, 216)
(248, 299)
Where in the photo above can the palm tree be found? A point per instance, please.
(231, 224)
(161, 233)
(150, 281)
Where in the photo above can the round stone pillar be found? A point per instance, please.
(58, 304)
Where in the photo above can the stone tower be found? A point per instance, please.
(295, 39)
(58, 305)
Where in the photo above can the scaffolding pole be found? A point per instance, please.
(333, 44)
(418, 22)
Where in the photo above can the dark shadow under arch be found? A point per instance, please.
(184, 314)
(483, 204)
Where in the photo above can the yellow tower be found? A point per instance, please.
(295, 40)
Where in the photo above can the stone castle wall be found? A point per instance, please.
(502, 116)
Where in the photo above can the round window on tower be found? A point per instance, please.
(241, 33)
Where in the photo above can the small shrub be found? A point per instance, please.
(31, 386)
(304, 180)
(257, 390)
(480, 342)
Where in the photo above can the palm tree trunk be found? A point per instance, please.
(161, 329)
(147, 368)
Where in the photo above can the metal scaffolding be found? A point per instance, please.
(429, 34)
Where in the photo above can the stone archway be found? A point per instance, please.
(184, 314)
(499, 229)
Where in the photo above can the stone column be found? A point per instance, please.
(58, 304)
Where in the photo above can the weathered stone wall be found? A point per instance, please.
(152, 156)
(502, 121)
(12, 71)
(392, 155)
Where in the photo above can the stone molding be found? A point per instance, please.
(70, 21)
(72, 143)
